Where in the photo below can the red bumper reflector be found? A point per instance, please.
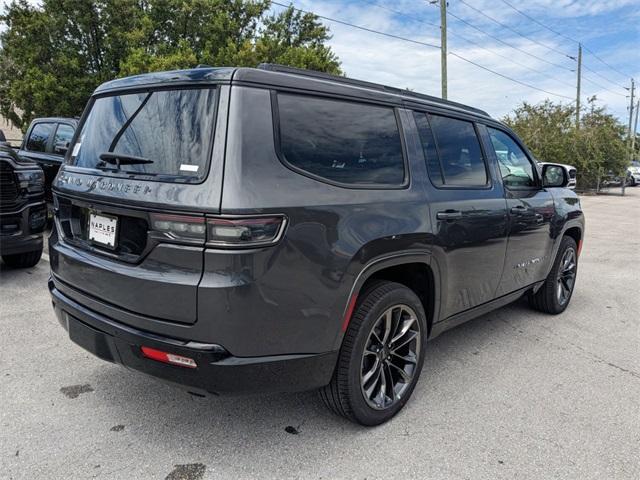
(349, 312)
(170, 358)
(579, 247)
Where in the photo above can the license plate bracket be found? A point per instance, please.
(103, 230)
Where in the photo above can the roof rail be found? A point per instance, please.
(274, 67)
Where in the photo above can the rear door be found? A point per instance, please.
(468, 211)
(530, 208)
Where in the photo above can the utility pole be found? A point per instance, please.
(578, 86)
(633, 132)
(443, 47)
(633, 86)
(629, 142)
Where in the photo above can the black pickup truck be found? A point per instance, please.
(46, 143)
(23, 212)
(275, 229)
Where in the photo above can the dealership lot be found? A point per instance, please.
(513, 394)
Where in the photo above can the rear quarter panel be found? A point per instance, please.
(291, 298)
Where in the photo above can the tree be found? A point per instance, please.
(601, 145)
(54, 55)
(595, 149)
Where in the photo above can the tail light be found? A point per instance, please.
(221, 232)
(244, 232)
(179, 227)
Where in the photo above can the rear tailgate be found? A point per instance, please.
(140, 275)
(144, 272)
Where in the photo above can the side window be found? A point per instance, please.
(340, 141)
(39, 137)
(515, 167)
(428, 148)
(62, 139)
(459, 151)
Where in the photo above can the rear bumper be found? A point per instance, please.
(217, 371)
(18, 234)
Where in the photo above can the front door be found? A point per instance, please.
(37, 147)
(468, 212)
(531, 210)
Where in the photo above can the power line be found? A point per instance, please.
(402, 14)
(605, 63)
(563, 36)
(553, 49)
(398, 37)
(540, 72)
(605, 78)
(549, 48)
(508, 44)
(455, 34)
(507, 77)
(584, 77)
(535, 20)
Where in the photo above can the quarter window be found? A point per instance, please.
(343, 142)
(459, 151)
(39, 137)
(515, 167)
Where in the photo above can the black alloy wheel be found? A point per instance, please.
(381, 356)
(390, 357)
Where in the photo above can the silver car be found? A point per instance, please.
(633, 174)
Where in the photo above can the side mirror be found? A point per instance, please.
(554, 176)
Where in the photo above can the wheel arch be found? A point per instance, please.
(415, 270)
(574, 232)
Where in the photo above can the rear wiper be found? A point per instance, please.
(123, 159)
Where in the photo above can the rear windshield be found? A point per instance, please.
(158, 133)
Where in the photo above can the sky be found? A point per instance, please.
(535, 53)
(520, 48)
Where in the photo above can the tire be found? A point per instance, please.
(555, 294)
(23, 260)
(382, 303)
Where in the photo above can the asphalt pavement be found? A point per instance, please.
(512, 394)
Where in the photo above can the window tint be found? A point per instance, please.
(172, 128)
(515, 167)
(39, 137)
(341, 141)
(62, 139)
(459, 152)
(428, 148)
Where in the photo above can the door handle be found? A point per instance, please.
(449, 215)
(518, 210)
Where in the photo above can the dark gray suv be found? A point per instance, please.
(274, 229)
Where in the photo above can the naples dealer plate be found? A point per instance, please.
(103, 229)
